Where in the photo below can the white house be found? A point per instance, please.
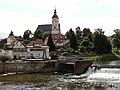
(37, 49)
(19, 51)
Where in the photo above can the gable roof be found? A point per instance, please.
(37, 41)
(19, 42)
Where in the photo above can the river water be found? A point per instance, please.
(58, 81)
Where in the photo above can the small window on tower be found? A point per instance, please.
(54, 27)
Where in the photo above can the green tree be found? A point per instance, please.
(101, 43)
(78, 33)
(73, 39)
(38, 34)
(116, 39)
(4, 58)
(45, 35)
(87, 33)
(50, 43)
(86, 44)
(27, 34)
(67, 35)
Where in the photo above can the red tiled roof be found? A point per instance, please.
(58, 37)
(37, 41)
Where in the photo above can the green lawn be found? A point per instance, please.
(106, 57)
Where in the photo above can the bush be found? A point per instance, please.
(82, 49)
(4, 57)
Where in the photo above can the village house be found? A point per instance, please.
(19, 50)
(35, 49)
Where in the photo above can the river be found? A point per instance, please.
(53, 81)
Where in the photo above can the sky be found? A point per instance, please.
(21, 15)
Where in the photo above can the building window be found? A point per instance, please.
(21, 50)
(37, 44)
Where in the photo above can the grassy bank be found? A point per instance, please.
(106, 57)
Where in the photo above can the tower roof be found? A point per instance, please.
(55, 14)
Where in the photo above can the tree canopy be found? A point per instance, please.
(38, 34)
(116, 39)
(27, 34)
(50, 43)
(101, 43)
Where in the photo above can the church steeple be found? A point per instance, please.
(55, 11)
(55, 23)
(55, 14)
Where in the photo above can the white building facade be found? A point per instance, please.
(37, 49)
(19, 51)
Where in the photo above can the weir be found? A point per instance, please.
(107, 72)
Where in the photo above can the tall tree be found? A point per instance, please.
(27, 34)
(87, 33)
(50, 43)
(73, 39)
(116, 39)
(67, 35)
(78, 33)
(38, 34)
(101, 43)
(86, 44)
(45, 35)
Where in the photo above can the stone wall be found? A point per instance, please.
(28, 66)
(81, 66)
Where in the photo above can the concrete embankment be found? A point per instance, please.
(28, 66)
(82, 66)
(79, 67)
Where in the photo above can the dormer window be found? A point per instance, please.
(37, 44)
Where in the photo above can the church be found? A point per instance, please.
(59, 39)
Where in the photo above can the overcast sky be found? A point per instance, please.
(21, 15)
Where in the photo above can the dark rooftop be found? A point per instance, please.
(45, 27)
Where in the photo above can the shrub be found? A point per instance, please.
(4, 57)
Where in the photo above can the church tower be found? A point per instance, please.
(55, 24)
